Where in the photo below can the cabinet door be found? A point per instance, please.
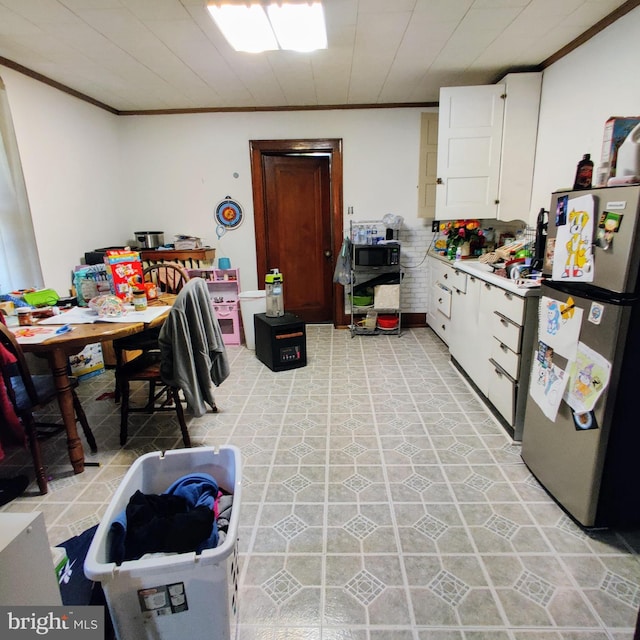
(464, 324)
(428, 165)
(471, 331)
(469, 146)
(519, 136)
(502, 392)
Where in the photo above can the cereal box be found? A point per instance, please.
(125, 272)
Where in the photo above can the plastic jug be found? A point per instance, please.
(628, 161)
(273, 286)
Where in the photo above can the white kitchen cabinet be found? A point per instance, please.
(512, 327)
(468, 345)
(486, 149)
(440, 297)
(489, 325)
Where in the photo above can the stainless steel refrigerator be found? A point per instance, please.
(589, 461)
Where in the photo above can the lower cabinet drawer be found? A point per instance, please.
(458, 280)
(506, 358)
(502, 392)
(443, 300)
(508, 304)
(440, 324)
(506, 331)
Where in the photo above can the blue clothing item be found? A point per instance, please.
(197, 490)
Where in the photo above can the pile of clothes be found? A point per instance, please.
(193, 514)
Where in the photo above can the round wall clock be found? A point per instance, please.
(229, 213)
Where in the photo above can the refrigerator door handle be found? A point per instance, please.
(592, 292)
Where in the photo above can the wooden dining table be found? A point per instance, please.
(57, 351)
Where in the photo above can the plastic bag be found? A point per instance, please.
(342, 272)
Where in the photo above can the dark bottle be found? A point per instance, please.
(584, 173)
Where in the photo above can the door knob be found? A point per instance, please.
(327, 254)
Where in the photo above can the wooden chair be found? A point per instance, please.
(161, 397)
(169, 277)
(29, 393)
(176, 369)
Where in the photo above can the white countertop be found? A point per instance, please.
(485, 272)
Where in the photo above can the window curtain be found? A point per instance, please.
(19, 260)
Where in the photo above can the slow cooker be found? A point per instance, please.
(149, 239)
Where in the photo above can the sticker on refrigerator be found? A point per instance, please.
(163, 600)
(549, 253)
(573, 259)
(561, 210)
(595, 313)
(585, 421)
(608, 226)
(588, 378)
(545, 355)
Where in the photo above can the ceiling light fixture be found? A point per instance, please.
(291, 26)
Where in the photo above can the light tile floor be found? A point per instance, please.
(380, 500)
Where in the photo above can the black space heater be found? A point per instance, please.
(281, 343)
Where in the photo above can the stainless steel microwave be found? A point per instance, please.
(377, 255)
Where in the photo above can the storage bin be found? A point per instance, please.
(168, 596)
(251, 302)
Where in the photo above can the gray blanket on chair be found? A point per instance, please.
(193, 354)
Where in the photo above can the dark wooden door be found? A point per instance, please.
(298, 220)
(298, 233)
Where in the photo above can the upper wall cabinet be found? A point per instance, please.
(486, 149)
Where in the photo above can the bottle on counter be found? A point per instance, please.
(274, 293)
(584, 173)
(601, 175)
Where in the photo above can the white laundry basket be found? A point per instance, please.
(251, 302)
(174, 595)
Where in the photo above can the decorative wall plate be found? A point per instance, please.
(229, 213)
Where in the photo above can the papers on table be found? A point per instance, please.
(83, 315)
(36, 334)
(149, 314)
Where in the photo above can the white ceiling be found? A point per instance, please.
(168, 54)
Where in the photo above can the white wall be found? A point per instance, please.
(179, 167)
(579, 93)
(70, 159)
(94, 179)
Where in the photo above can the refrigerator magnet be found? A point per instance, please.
(585, 421)
(608, 225)
(561, 210)
(595, 313)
